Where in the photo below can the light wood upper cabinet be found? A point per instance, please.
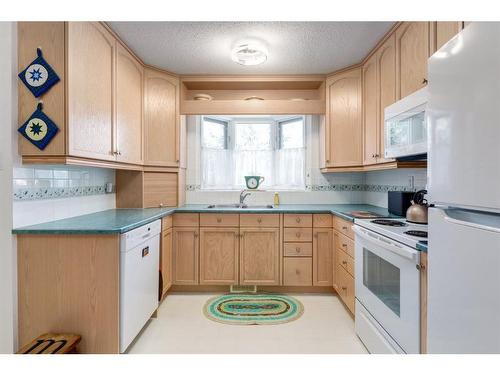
(160, 189)
(322, 257)
(185, 255)
(412, 51)
(129, 101)
(90, 100)
(443, 32)
(219, 249)
(370, 111)
(260, 256)
(162, 120)
(166, 259)
(386, 72)
(343, 120)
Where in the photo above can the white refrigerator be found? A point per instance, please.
(463, 116)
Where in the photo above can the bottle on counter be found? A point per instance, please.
(276, 199)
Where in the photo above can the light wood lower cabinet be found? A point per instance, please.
(345, 286)
(219, 255)
(166, 260)
(323, 256)
(260, 256)
(185, 255)
(297, 271)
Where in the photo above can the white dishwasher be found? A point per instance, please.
(139, 264)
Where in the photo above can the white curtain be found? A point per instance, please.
(226, 169)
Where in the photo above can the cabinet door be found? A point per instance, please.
(166, 260)
(343, 127)
(160, 189)
(370, 111)
(259, 256)
(386, 64)
(185, 256)
(444, 31)
(161, 119)
(322, 257)
(90, 81)
(412, 48)
(129, 101)
(219, 249)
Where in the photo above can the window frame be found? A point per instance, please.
(230, 143)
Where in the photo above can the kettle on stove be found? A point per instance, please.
(417, 212)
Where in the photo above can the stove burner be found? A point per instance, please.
(391, 223)
(416, 233)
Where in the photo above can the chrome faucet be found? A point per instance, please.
(243, 195)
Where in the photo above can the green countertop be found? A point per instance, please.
(123, 220)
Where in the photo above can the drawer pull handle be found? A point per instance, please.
(297, 249)
(344, 228)
(344, 288)
(344, 263)
(297, 220)
(344, 245)
(259, 220)
(219, 220)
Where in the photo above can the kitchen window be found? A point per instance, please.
(234, 147)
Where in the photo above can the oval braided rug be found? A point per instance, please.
(253, 309)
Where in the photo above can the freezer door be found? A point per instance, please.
(464, 282)
(463, 116)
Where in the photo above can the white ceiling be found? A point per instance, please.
(294, 47)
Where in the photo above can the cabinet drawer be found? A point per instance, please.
(344, 227)
(298, 249)
(297, 271)
(344, 243)
(258, 220)
(345, 287)
(298, 234)
(322, 220)
(186, 220)
(166, 222)
(219, 220)
(298, 220)
(345, 261)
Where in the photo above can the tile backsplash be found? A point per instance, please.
(46, 182)
(46, 192)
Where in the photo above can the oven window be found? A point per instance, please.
(382, 279)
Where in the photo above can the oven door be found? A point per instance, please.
(388, 286)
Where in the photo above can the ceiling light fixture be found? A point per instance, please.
(249, 54)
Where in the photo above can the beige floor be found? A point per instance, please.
(181, 328)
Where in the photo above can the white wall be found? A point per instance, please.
(8, 105)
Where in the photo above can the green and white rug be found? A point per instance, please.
(256, 309)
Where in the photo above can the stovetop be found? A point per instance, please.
(396, 229)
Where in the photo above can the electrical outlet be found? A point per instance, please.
(411, 182)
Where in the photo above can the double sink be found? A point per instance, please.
(242, 206)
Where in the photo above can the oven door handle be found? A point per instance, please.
(386, 244)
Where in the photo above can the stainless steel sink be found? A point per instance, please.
(242, 206)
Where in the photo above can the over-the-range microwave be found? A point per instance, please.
(405, 127)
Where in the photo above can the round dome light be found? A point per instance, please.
(249, 54)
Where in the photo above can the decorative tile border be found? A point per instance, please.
(53, 193)
(342, 187)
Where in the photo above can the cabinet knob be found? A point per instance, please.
(297, 220)
(297, 234)
(420, 267)
(344, 288)
(259, 220)
(344, 228)
(161, 205)
(344, 245)
(219, 220)
(344, 263)
(424, 81)
(297, 249)
(327, 160)
(195, 234)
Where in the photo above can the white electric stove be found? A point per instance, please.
(387, 286)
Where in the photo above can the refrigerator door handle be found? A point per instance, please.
(471, 224)
(386, 244)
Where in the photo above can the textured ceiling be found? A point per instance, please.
(294, 47)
